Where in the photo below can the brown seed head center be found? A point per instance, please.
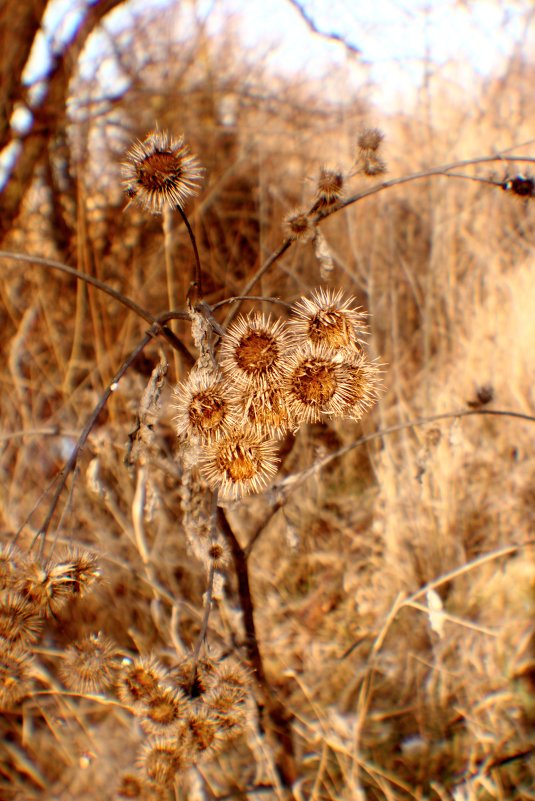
(330, 327)
(206, 411)
(238, 464)
(256, 353)
(159, 168)
(316, 383)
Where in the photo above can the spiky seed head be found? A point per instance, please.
(139, 679)
(15, 674)
(217, 553)
(364, 386)
(204, 406)
(19, 621)
(77, 569)
(370, 139)
(520, 185)
(199, 731)
(240, 463)
(329, 319)
(193, 677)
(316, 383)
(266, 410)
(330, 186)
(298, 225)
(89, 665)
(162, 711)
(40, 585)
(162, 758)
(252, 349)
(161, 171)
(130, 786)
(12, 564)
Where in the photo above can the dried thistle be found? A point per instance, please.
(520, 185)
(363, 387)
(12, 565)
(193, 677)
(329, 187)
(239, 463)
(15, 674)
(199, 732)
(326, 318)
(266, 410)
(161, 171)
(44, 587)
(89, 665)
(252, 349)
(162, 711)
(139, 679)
(369, 162)
(162, 758)
(19, 621)
(298, 225)
(317, 383)
(204, 406)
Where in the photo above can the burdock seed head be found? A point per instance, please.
(326, 318)
(160, 171)
(317, 383)
(240, 463)
(252, 351)
(329, 187)
(368, 161)
(89, 665)
(364, 386)
(299, 226)
(139, 679)
(204, 407)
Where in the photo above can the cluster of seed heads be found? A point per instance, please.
(189, 711)
(30, 592)
(272, 376)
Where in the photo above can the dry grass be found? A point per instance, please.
(394, 590)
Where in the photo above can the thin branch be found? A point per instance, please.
(73, 458)
(331, 35)
(197, 274)
(115, 294)
(280, 491)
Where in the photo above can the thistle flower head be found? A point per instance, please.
(162, 758)
(317, 383)
(193, 677)
(160, 171)
(520, 185)
(204, 406)
(239, 463)
(19, 621)
(162, 711)
(326, 318)
(364, 387)
(89, 665)
(368, 161)
(266, 410)
(252, 349)
(329, 187)
(15, 674)
(298, 225)
(139, 679)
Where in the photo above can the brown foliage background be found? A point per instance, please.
(385, 700)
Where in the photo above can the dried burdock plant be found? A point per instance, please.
(239, 463)
(327, 318)
(19, 621)
(16, 674)
(369, 161)
(522, 186)
(161, 171)
(317, 382)
(139, 679)
(329, 187)
(204, 406)
(90, 665)
(251, 352)
(298, 225)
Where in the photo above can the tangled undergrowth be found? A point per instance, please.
(205, 617)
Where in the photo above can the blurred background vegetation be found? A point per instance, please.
(384, 702)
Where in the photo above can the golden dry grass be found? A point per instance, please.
(394, 590)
